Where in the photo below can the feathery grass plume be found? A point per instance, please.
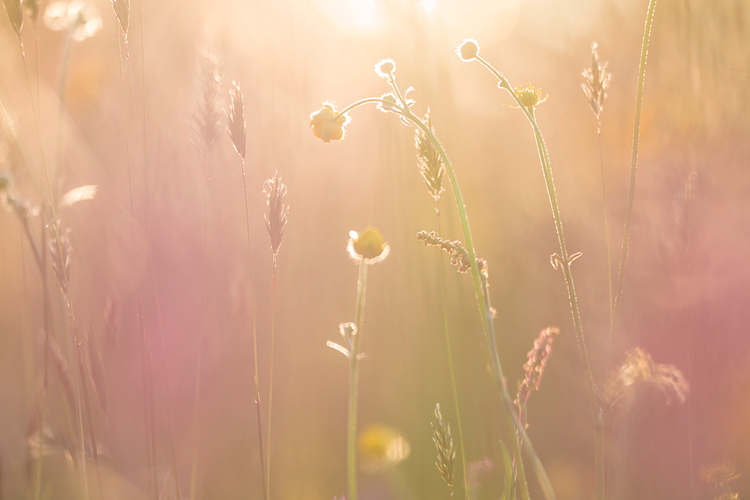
(534, 368)
(275, 192)
(639, 369)
(207, 116)
(14, 8)
(718, 476)
(236, 119)
(455, 249)
(596, 82)
(430, 164)
(446, 450)
(122, 12)
(60, 262)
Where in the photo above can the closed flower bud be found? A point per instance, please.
(468, 50)
(385, 68)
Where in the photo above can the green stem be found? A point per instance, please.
(255, 337)
(497, 371)
(609, 248)
(360, 103)
(565, 264)
(351, 439)
(450, 365)
(633, 161)
(270, 384)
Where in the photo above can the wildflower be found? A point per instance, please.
(80, 19)
(389, 103)
(385, 68)
(327, 125)
(468, 50)
(368, 246)
(529, 96)
(380, 447)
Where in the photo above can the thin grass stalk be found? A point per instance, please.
(67, 297)
(125, 119)
(255, 336)
(610, 288)
(270, 383)
(351, 427)
(454, 387)
(564, 261)
(148, 396)
(486, 318)
(633, 161)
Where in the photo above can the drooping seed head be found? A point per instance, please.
(275, 192)
(236, 120)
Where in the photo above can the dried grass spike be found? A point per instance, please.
(596, 82)
(446, 450)
(32, 9)
(429, 161)
(534, 367)
(207, 117)
(275, 192)
(639, 369)
(236, 119)
(15, 14)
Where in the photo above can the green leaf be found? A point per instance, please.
(508, 490)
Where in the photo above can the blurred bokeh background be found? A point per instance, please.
(686, 287)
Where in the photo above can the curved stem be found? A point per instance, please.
(255, 337)
(633, 162)
(351, 428)
(450, 364)
(360, 103)
(486, 319)
(568, 277)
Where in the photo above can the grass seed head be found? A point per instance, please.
(207, 116)
(536, 361)
(596, 82)
(275, 192)
(446, 450)
(15, 14)
(236, 119)
(429, 161)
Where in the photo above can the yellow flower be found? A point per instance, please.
(327, 125)
(368, 245)
(529, 96)
(380, 447)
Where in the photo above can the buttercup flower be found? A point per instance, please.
(468, 50)
(385, 67)
(327, 125)
(368, 245)
(81, 19)
(529, 95)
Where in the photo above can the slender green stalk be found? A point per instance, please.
(454, 388)
(609, 248)
(270, 383)
(351, 428)
(564, 261)
(633, 161)
(67, 296)
(255, 336)
(486, 319)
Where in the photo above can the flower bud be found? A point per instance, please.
(385, 68)
(468, 50)
(368, 245)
